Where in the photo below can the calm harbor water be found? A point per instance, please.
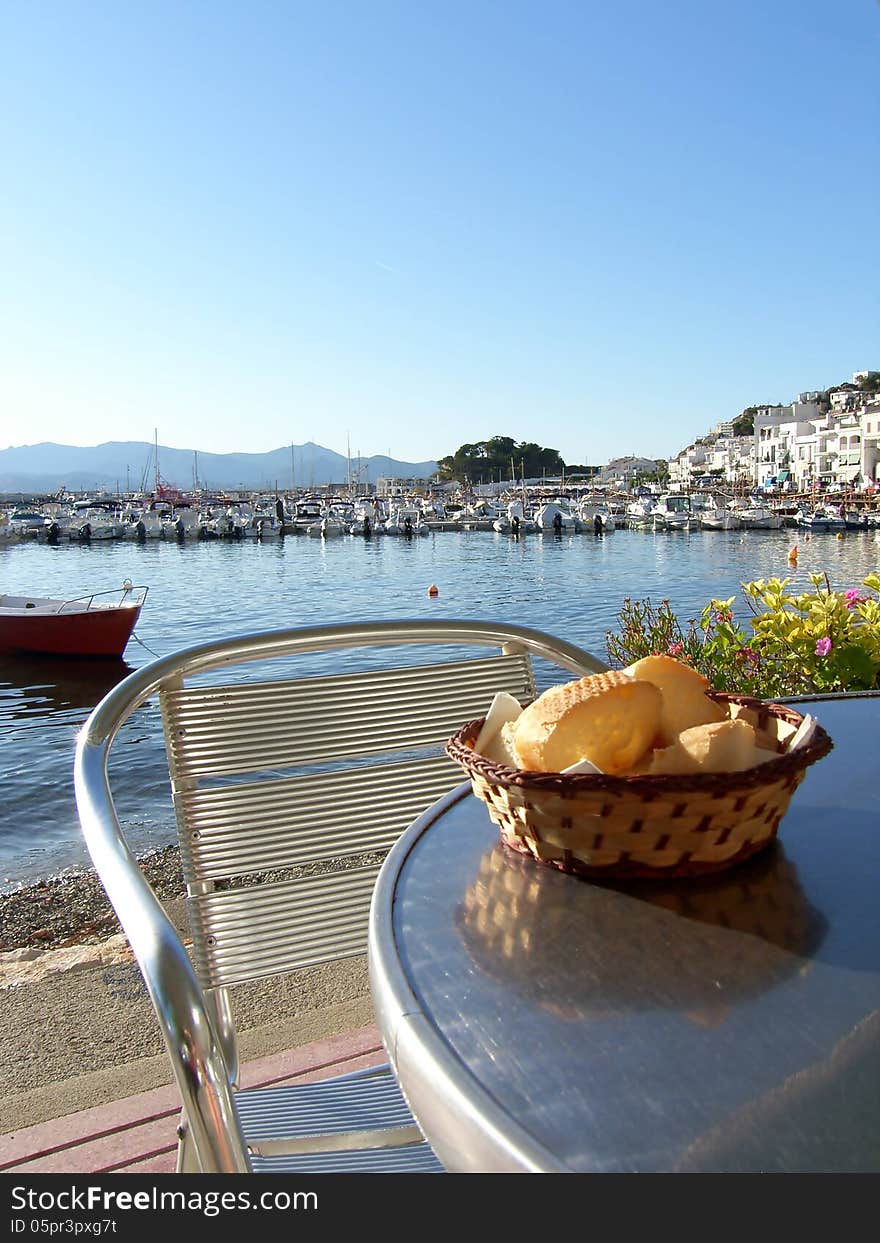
(572, 586)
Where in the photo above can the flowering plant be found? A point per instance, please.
(800, 643)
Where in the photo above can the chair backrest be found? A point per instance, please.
(270, 775)
(288, 790)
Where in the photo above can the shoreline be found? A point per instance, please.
(73, 909)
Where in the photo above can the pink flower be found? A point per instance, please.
(749, 655)
(675, 649)
(852, 597)
(824, 646)
(723, 615)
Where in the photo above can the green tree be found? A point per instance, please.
(499, 457)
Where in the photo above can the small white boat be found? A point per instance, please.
(307, 511)
(95, 520)
(557, 519)
(821, 518)
(596, 516)
(328, 526)
(231, 522)
(267, 517)
(182, 523)
(640, 513)
(26, 524)
(433, 509)
(365, 519)
(755, 516)
(673, 512)
(406, 520)
(717, 515)
(515, 521)
(144, 524)
(479, 515)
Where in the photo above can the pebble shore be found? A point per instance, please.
(73, 909)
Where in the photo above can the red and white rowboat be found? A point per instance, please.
(95, 625)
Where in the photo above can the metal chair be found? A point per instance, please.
(269, 773)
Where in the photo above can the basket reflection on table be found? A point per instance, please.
(520, 925)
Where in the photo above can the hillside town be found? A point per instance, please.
(828, 441)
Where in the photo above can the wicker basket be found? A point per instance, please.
(646, 826)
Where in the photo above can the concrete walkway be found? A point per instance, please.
(84, 1064)
(137, 1135)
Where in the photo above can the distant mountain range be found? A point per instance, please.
(131, 466)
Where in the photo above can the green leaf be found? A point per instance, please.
(855, 667)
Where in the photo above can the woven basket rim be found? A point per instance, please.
(460, 748)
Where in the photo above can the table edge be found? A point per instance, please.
(450, 1104)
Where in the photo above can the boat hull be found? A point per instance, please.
(723, 522)
(99, 632)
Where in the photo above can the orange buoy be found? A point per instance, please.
(793, 553)
(433, 590)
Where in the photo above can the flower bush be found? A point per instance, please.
(798, 643)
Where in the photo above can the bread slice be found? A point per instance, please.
(503, 709)
(722, 747)
(685, 702)
(502, 748)
(608, 718)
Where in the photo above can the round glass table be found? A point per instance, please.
(541, 1022)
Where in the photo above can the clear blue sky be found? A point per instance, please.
(405, 226)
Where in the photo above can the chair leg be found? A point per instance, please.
(187, 1160)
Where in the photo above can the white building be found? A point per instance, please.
(870, 426)
(689, 464)
(799, 445)
(781, 432)
(839, 449)
(622, 471)
(731, 459)
(845, 397)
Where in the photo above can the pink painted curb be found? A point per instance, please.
(138, 1133)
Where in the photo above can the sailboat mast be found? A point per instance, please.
(156, 452)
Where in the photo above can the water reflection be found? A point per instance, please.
(33, 687)
(43, 703)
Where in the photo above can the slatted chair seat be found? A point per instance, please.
(341, 1108)
(288, 790)
(406, 1159)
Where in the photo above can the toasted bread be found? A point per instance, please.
(685, 702)
(608, 718)
(720, 747)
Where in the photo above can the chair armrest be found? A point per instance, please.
(195, 1051)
